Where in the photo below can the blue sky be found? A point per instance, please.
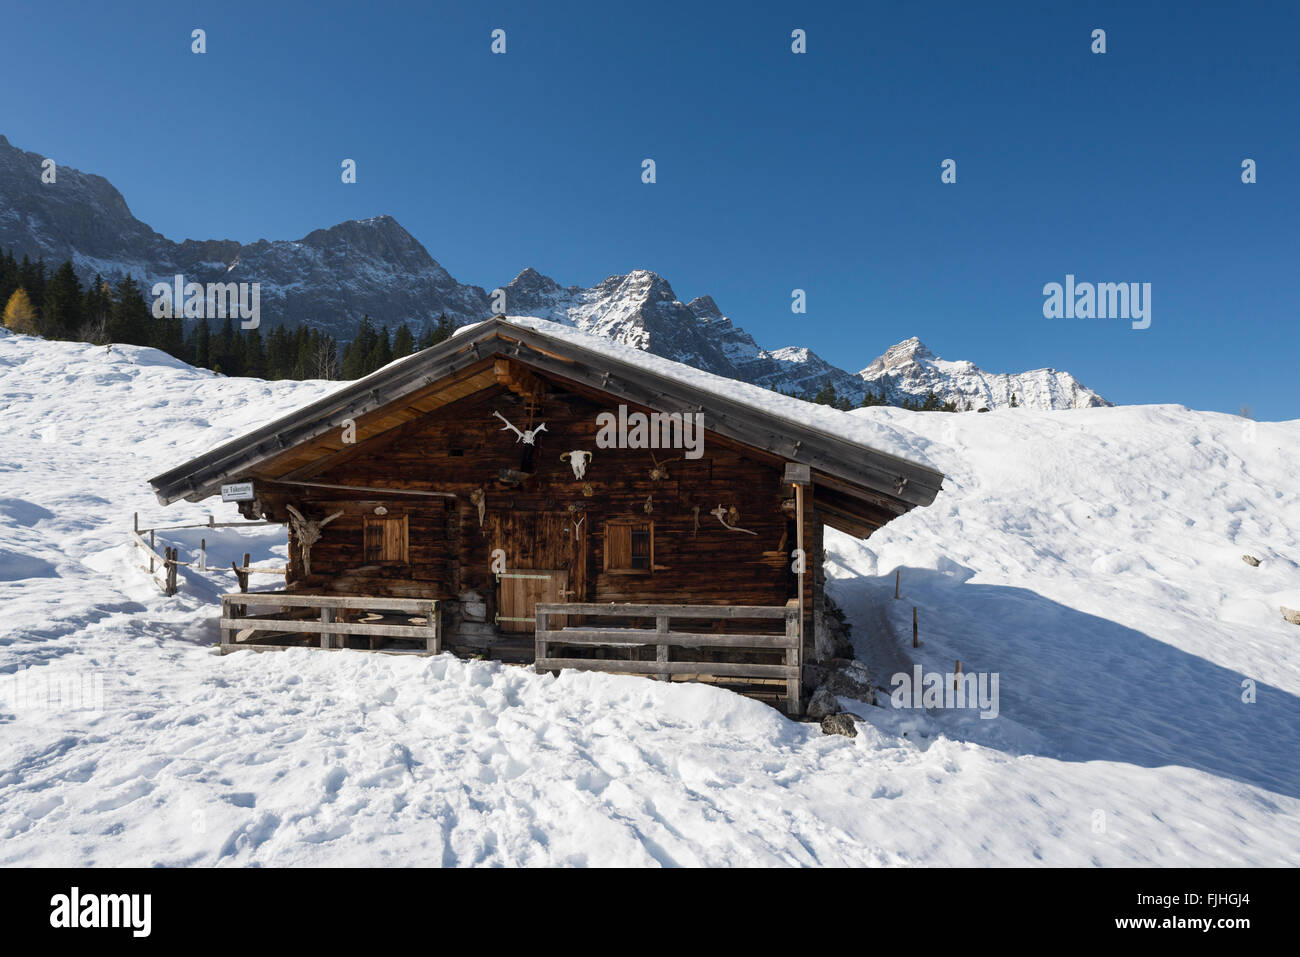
(775, 171)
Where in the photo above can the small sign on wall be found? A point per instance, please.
(239, 492)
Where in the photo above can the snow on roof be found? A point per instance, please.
(873, 435)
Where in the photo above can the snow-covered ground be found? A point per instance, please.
(1091, 558)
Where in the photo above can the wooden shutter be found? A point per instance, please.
(386, 539)
(629, 547)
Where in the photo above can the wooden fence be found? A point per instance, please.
(238, 629)
(162, 568)
(662, 637)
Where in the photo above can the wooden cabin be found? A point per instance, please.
(528, 493)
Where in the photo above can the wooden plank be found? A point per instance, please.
(661, 649)
(433, 644)
(227, 649)
(720, 668)
(294, 600)
(153, 555)
(539, 639)
(310, 626)
(793, 691)
(672, 611)
(635, 637)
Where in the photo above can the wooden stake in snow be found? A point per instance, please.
(898, 575)
(956, 677)
(915, 641)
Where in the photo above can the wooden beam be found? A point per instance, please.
(638, 637)
(718, 668)
(654, 611)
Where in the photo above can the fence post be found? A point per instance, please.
(433, 645)
(661, 651)
(151, 551)
(227, 634)
(915, 641)
(326, 639)
(539, 638)
(203, 554)
(793, 686)
(898, 574)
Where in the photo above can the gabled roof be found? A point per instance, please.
(782, 426)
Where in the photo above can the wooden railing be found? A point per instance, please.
(162, 568)
(235, 620)
(662, 637)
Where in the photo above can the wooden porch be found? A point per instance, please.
(332, 622)
(629, 639)
(761, 664)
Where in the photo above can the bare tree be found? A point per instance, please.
(324, 360)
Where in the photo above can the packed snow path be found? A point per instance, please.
(1091, 558)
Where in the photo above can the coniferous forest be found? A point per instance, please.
(57, 306)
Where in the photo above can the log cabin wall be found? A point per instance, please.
(547, 521)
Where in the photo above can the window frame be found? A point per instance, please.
(634, 525)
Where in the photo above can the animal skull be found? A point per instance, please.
(525, 437)
(578, 461)
(307, 533)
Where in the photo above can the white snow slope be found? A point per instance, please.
(1092, 558)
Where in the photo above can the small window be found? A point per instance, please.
(630, 547)
(386, 539)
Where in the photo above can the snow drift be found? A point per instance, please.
(1150, 690)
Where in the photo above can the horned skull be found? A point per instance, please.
(578, 460)
(527, 437)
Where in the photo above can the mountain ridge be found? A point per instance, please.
(332, 276)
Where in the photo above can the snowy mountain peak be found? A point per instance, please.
(705, 308)
(333, 276)
(910, 369)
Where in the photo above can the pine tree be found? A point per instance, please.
(61, 316)
(8, 276)
(826, 395)
(96, 310)
(130, 321)
(254, 364)
(1014, 403)
(201, 347)
(381, 353)
(20, 315)
(357, 354)
(403, 341)
(226, 350)
(439, 332)
(31, 276)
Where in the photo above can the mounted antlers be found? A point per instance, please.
(578, 461)
(307, 533)
(525, 437)
(659, 472)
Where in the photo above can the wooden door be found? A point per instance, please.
(519, 592)
(546, 561)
